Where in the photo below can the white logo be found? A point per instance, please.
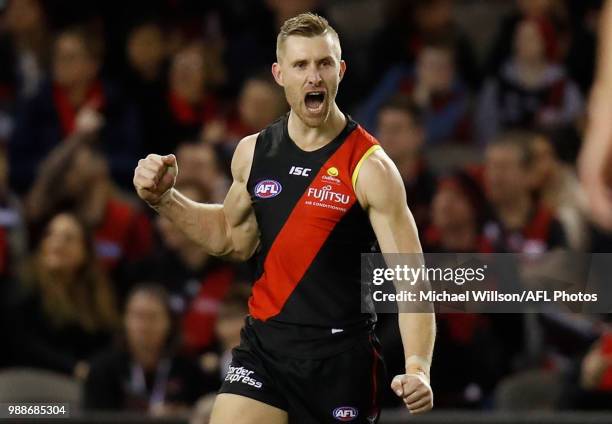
(242, 375)
(326, 194)
(298, 170)
(337, 330)
(345, 413)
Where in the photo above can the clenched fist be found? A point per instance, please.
(154, 176)
(415, 391)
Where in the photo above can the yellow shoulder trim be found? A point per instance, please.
(363, 158)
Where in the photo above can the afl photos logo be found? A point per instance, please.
(267, 188)
(345, 413)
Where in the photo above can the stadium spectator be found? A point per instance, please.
(414, 24)
(201, 166)
(67, 312)
(402, 135)
(520, 224)
(558, 188)
(458, 214)
(435, 87)
(145, 373)
(76, 176)
(192, 105)
(146, 81)
(530, 91)
(75, 102)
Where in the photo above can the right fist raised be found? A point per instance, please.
(154, 176)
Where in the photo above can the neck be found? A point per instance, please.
(312, 138)
(530, 71)
(514, 213)
(147, 358)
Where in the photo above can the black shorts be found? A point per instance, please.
(344, 387)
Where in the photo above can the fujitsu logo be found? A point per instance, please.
(326, 194)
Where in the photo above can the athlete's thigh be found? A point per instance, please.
(236, 409)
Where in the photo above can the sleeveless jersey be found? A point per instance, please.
(312, 230)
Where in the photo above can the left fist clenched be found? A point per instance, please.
(415, 391)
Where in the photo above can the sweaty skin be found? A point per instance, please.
(230, 230)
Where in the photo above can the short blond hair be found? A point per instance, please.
(305, 25)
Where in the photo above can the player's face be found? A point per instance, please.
(310, 71)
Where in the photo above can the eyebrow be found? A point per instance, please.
(328, 57)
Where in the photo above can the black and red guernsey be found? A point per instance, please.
(312, 233)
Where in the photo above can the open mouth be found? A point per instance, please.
(314, 100)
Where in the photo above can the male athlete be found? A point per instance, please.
(310, 193)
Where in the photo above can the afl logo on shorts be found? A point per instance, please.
(267, 188)
(345, 413)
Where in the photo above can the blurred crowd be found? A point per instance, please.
(481, 107)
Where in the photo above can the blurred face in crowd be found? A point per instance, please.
(451, 209)
(528, 43)
(62, 249)
(260, 103)
(199, 166)
(73, 65)
(545, 163)
(435, 69)
(399, 135)
(146, 50)
(23, 16)
(310, 70)
(434, 15)
(85, 169)
(506, 175)
(187, 74)
(147, 323)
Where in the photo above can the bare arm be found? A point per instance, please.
(228, 230)
(595, 161)
(396, 233)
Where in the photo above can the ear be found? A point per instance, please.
(278, 75)
(342, 69)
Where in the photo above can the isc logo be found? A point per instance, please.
(268, 188)
(298, 170)
(345, 413)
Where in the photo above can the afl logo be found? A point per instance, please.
(333, 171)
(268, 188)
(345, 413)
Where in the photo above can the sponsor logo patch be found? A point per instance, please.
(326, 197)
(345, 413)
(268, 188)
(333, 171)
(242, 375)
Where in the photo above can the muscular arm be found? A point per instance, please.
(396, 233)
(228, 230)
(595, 159)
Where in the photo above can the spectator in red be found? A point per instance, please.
(402, 135)
(145, 373)
(76, 176)
(520, 224)
(196, 282)
(68, 309)
(75, 102)
(192, 104)
(530, 91)
(458, 213)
